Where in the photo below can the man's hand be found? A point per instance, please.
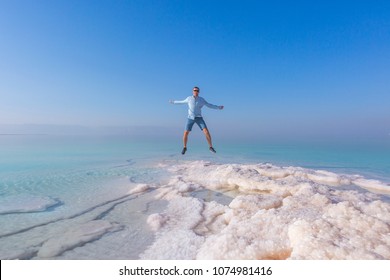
(221, 107)
(171, 101)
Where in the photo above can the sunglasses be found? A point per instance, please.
(195, 90)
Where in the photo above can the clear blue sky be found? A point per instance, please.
(279, 67)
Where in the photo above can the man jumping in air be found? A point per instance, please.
(195, 104)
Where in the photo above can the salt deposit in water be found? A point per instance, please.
(26, 203)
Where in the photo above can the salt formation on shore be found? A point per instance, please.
(272, 213)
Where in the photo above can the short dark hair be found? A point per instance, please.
(195, 87)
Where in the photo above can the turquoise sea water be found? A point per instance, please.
(46, 178)
(58, 165)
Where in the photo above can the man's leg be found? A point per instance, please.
(202, 125)
(208, 136)
(185, 138)
(187, 130)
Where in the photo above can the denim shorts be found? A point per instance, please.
(198, 120)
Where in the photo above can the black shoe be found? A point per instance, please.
(212, 150)
(184, 151)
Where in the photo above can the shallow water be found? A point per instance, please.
(65, 197)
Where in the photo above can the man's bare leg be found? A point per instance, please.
(185, 139)
(208, 136)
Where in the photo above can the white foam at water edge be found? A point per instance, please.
(274, 213)
(24, 203)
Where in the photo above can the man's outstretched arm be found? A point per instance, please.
(178, 101)
(212, 106)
